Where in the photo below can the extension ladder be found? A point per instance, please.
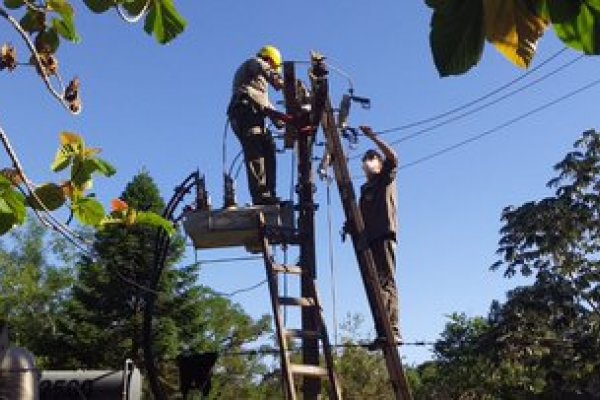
(292, 370)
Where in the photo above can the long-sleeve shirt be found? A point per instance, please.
(378, 203)
(252, 79)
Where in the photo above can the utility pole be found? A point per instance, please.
(306, 225)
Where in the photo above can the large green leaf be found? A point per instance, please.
(50, 194)
(14, 4)
(99, 6)
(88, 211)
(577, 23)
(514, 29)
(154, 220)
(457, 35)
(163, 21)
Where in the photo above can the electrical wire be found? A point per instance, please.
(488, 104)
(483, 106)
(228, 260)
(498, 128)
(476, 100)
(242, 290)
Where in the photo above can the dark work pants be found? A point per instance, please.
(384, 254)
(259, 152)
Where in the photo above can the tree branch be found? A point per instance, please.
(47, 219)
(38, 60)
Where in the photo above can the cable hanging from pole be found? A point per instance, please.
(476, 100)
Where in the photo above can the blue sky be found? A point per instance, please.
(163, 109)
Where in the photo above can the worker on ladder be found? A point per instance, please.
(378, 209)
(247, 110)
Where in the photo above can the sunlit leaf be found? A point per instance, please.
(514, 29)
(51, 195)
(163, 21)
(154, 220)
(61, 7)
(71, 138)
(66, 28)
(88, 211)
(577, 23)
(457, 35)
(99, 6)
(16, 202)
(62, 159)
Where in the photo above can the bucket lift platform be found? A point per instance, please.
(236, 226)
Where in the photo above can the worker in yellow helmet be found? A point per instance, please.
(247, 110)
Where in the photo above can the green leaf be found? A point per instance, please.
(82, 170)
(63, 158)
(88, 211)
(577, 23)
(47, 41)
(457, 35)
(99, 6)
(14, 4)
(50, 194)
(66, 28)
(16, 201)
(61, 7)
(163, 21)
(12, 209)
(154, 220)
(5, 183)
(33, 21)
(103, 167)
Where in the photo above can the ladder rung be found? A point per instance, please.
(297, 301)
(310, 370)
(299, 333)
(287, 269)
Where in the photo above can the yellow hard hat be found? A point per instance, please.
(271, 53)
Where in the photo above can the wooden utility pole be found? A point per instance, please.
(306, 225)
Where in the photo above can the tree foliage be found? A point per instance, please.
(544, 341)
(459, 29)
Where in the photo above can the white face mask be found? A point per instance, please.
(372, 166)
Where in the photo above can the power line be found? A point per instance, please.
(488, 104)
(476, 100)
(447, 121)
(500, 127)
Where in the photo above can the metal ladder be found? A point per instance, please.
(291, 370)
